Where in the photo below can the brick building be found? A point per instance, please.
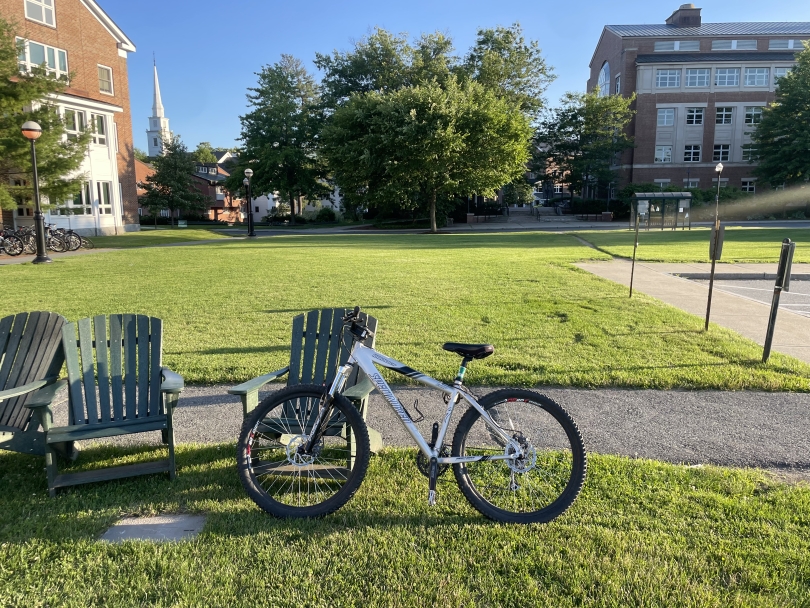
(700, 92)
(77, 38)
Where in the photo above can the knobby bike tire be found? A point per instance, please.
(535, 489)
(286, 483)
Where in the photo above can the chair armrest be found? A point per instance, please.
(172, 382)
(25, 388)
(46, 395)
(361, 390)
(256, 383)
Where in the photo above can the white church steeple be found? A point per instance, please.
(158, 130)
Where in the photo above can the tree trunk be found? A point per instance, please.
(433, 212)
(292, 210)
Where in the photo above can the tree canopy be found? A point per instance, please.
(171, 186)
(781, 141)
(280, 134)
(23, 97)
(204, 153)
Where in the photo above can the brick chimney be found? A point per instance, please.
(686, 16)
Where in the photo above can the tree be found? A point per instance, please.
(204, 153)
(518, 192)
(280, 135)
(23, 97)
(781, 141)
(171, 186)
(426, 143)
(140, 155)
(583, 136)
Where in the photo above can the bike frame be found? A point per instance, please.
(367, 358)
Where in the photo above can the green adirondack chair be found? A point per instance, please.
(117, 385)
(31, 358)
(315, 352)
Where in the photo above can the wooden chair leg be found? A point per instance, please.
(168, 433)
(51, 470)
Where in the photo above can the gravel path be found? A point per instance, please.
(739, 429)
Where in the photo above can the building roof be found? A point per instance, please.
(764, 28)
(733, 56)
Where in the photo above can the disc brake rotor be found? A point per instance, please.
(295, 452)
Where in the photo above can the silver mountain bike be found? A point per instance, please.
(517, 455)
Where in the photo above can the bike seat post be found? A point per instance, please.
(461, 371)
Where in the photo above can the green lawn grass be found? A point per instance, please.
(642, 533)
(162, 236)
(739, 244)
(228, 307)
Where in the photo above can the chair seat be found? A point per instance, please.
(470, 351)
(78, 432)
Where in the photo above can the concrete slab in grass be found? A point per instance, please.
(161, 528)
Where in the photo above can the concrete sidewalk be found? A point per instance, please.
(738, 313)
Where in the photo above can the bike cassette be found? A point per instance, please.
(423, 462)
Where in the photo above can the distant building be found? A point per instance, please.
(209, 179)
(77, 39)
(700, 88)
(158, 130)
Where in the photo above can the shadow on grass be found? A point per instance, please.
(306, 310)
(237, 350)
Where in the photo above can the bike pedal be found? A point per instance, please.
(432, 498)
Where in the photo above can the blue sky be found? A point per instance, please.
(208, 52)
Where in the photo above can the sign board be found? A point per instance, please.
(719, 245)
(642, 207)
(785, 264)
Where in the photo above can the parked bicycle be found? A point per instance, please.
(517, 456)
(9, 242)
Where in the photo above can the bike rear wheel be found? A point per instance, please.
(12, 245)
(72, 240)
(535, 488)
(274, 467)
(87, 243)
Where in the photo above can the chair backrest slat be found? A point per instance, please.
(23, 346)
(74, 372)
(5, 333)
(143, 366)
(88, 370)
(296, 346)
(322, 349)
(371, 323)
(129, 366)
(310, 339)
(102, 366)
(15, 325)
(116, 369)
(155, 364)
(335, 337)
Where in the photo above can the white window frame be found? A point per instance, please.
(784, 72)
(668, 115)
(696, 115)
(723, 182)
(698, 77)
(663, 154)
(757, 77)
(725, 73)
(721, 152)
(727, 113)
(105, 205)
(112, 81)
(667, 76)
(753, 115)
(100, 139)
(73, 131)
(618, 84)
(748, 184)
(735, 45)
(81, 204)
(663, 46)
(747, 153)
(26, 65)
(691, 153)
(775, 44)
(45, 6)
(691, 183)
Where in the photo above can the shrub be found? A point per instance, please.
(326, 215)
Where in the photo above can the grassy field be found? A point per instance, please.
(228, 307)
(162, 236)
(641, 533)
(739, 245)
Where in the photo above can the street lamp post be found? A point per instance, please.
(719, 170)
(31, 131)
(246, 182)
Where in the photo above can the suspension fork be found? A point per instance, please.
(325, 409)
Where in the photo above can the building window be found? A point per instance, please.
(154, 141)
(667, 78)
(694, 116)
(104, 198)
(663, 154)
(691, 154)
(677, 45)
(82, 203)
(727, 77)
(99, 124)
(558, 189)
(749, 185)
(34, 54)
(691, 183)
(723, 115)
(748, 152)
(105, 80)
(776, 45)
(721, 152)
(604, 80)
(734, 45)
(697, 78)
(753, 115)
(756, 77)
(74, 123)
(780, 73)
(723, 182)
(40, 10)
(666, 117)
(618, 82)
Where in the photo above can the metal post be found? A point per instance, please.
(782, 282)
(716, 243)
(39, 218)
(250, 212)
(635, 246)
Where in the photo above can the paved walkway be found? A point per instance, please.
(746, 316)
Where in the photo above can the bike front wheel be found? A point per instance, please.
(539, 485)
(285, 479)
